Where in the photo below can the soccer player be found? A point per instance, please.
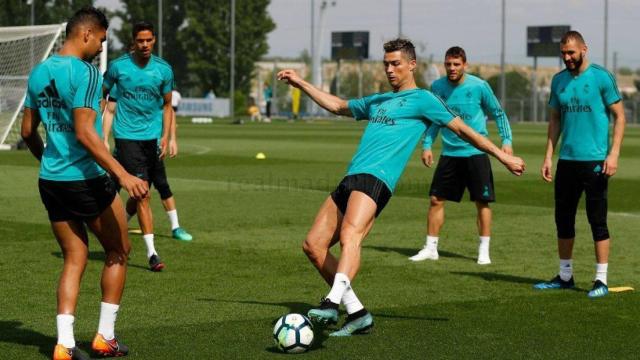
(143, 119)
(64, 94)
(159, 176)
(582, 97)
(397, 120)
(462, 165)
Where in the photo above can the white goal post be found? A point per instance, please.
(21, 48)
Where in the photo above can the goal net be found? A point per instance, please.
(21, 48)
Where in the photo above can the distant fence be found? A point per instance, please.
(522, 110)
(216, 107)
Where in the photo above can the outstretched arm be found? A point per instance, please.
(326, 100)
(512, 163)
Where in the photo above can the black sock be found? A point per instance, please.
(358, 314)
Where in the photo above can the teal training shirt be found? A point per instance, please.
(471, 100)
(583, 103)
(397, 120)
(56, 86)
(140, 96)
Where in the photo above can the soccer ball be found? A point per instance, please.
(293, 333)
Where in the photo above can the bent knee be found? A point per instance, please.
(435, 201)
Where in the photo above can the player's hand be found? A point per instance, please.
(164, 144)
(610, 166)
(136, 187)
(427, 158)
(545, 171)
(290, 77)
(507, 149)
(173, 148)
(514, 164)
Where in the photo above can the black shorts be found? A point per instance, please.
(454, 174)
(365, 183)
(572, 179)
(76, 200)
(139, 157)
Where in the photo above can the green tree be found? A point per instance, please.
(173, 14)
(18, 12)
(625, 71)
(206, 41)
(518, 85)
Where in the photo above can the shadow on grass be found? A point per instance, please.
(11, 332)
(488, 276)
(100, 256)
(412, 251)
(293, 307)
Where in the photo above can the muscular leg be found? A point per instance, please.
(565, 248)
(323, 235)
(72, 237)
(143, 207)
(484, 218)
(169, 204)
(435, 218)
(356, 224)
(110, 228)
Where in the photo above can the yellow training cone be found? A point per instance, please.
(261, 156)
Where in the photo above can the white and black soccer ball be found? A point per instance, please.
(293, 333)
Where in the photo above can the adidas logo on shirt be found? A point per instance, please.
(50, 98)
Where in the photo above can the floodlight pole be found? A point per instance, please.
(310, 104)
(160, 28)
(316, 62)
(232, 76)
(503, 76)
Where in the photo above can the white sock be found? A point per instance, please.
(484, 243)
(340, 284)
(108, 314)
(351, 301)
(148, 239)
(601, 272)
(432, 242)
(64, 323)
(566, 269)
(173, 218)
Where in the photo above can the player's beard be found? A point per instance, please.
(577, 63)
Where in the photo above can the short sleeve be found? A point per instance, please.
(553, 96)
(110, 76)
(360, 107)
(28, 100)
(609, 89)
(167, 83)
(436, 110)
(88, 92)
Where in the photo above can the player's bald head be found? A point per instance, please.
(572, 35)
(87, 16)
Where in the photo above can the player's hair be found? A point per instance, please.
(86, 15)
(142, 26)
(403, 45)
(456, 52)
(572, 35)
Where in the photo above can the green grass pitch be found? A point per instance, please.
(220, 294)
